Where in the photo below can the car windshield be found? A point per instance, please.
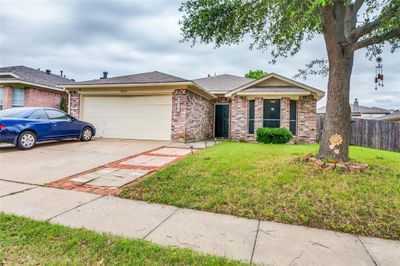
(13, 112)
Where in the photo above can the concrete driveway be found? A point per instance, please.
(51, 161)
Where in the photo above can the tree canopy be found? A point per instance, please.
(284, 25)
(255, 74)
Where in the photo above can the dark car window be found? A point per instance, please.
(57, 115)
(40, 114)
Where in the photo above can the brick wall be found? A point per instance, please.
(258, 113)
(74, 104)
(34, 97)
(178, 126)
(307, 119)
(7, 97)
(239, 118)
(200, 117)
(223, 99)
(285, 112)
(192, 116)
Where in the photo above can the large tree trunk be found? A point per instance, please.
(337, 117)
(336, 135)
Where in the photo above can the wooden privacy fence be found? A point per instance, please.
(376, 134)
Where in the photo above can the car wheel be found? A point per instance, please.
(87, 134)
(26, 140)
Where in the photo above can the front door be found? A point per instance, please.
(222, 121)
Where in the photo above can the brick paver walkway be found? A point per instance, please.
(111, 178)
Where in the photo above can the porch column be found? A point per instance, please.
(258, 113)
(75, 104)
(285, 112)
(239, 118)
(307, 119)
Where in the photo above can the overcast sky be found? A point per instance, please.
(85, 38)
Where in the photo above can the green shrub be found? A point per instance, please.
(64, 103)
(273, 135)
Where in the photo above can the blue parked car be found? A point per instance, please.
(24, 126)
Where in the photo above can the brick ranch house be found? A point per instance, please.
(23, 86)
(159, 106)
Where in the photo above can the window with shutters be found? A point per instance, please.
(251, 117)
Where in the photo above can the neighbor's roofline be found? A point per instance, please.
(319, 93)
(3, 81)
(380, 111)
(10, 73)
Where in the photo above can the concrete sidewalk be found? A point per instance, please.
(237, 238)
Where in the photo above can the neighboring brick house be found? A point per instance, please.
(159, 106)
(24, 86)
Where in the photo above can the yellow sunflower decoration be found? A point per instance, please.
(335, 140)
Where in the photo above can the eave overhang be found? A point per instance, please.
(19, 81)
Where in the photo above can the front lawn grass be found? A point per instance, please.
(266, 182)
(25, 241)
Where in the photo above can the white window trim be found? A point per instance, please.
(14, 94)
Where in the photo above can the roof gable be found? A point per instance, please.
(275, 81)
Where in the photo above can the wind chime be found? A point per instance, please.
(378, 73)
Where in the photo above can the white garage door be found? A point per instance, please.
(129, 117)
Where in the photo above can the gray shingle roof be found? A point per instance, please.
(392, 116)
(141, 78)
(222, 83)
(363, 110)
(34, 76)
(282, 89)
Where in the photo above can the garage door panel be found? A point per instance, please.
(133, 117)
